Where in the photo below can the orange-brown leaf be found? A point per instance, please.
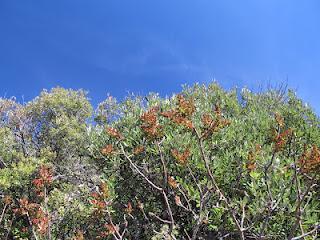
(172, 183)
(129, 208)
(138, 150)
(310, 160)
(114, 133)
(181, 158)
(107, 150)
(185, 107)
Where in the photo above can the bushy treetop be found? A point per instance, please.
(203, 164)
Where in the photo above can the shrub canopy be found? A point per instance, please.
(203, 164)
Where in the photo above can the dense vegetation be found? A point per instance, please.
(203, 164)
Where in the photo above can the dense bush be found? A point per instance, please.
(204, 164)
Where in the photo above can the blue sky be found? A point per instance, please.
(149, 45)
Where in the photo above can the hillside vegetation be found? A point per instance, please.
(203, 164)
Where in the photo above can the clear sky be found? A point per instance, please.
(139, 46)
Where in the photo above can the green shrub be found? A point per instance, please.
(204, 164)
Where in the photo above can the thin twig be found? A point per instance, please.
(308, 233)
(159, 218)
(141, 173)
(164, 166)
(3, 212)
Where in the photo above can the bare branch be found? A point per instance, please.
(315, 229)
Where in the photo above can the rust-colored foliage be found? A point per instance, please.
(79, 236)
(98, 202)
(184, 122)
(37, 216)
(280, 139)
(310, 160)
(24, 229)
(25, 207)
(104, 190)
(174, 116)
(217, 110)
(7, 200)
(150, 124)
(172, 183)
(138, 150)
(211, 125)
(129, 208)
(251, 164)
(99, 198)
(207, 120)
(185, 107)
(44, 180)
(280, 136)
(182, 158)
(182, 113)
(114, 133)
(107, 150)
(110, 229)
(252, 155)
(41, 220)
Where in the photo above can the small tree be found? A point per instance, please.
(48, 131)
